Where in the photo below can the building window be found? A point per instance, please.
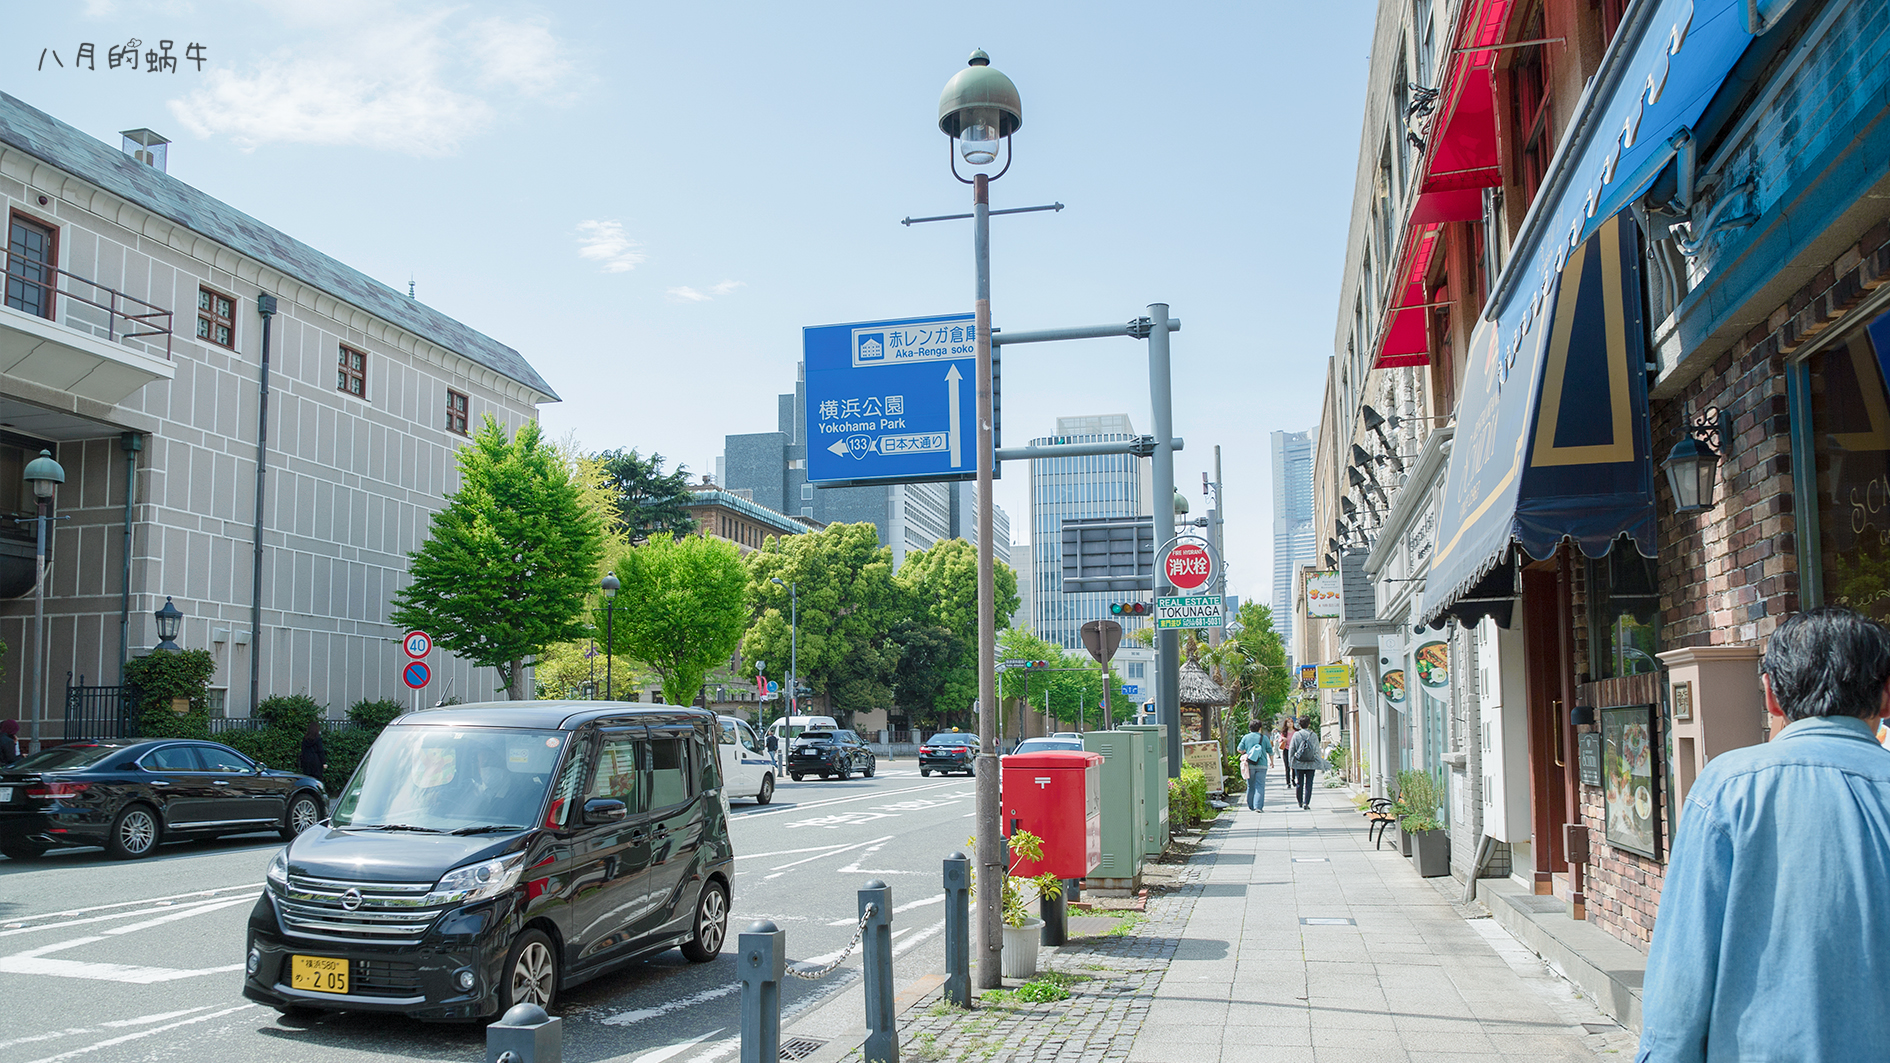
(1623, 613)
(1845, 544)
(351, 373)
(807, 492)
(32, 259)
(218, 698)
(216, 318)
(1137, 670)
(455, 408)
(1529, 101)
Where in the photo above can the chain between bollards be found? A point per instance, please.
(821, 972)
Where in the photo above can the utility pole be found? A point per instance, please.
(1215, 513)
(1168, 641)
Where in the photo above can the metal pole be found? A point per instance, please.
(763, 951)
(882, 1031)
(1055, 924)
(266, 308)
(794, 654)
(1214, 536)
(1167, 643)
(958, 930)
(131, 442)
(990, 844)
(610, 646)
(39, 621)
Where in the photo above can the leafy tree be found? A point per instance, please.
(681, 611)
(849, 605)
(645, 501)
(512, 559)
(929, 655)
(939, 586)
(1075, 686)
(563, 669)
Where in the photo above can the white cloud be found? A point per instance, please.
(400, 82)
(605, 243)
(698, 295)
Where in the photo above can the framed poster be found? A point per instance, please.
(1588, 747)
(1630, 769)
(1682, 701)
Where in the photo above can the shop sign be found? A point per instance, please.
(1335, 676)
(1324, 596)
(1588, 747)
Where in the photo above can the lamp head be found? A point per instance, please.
(978, 108)
(1692, 470)
(611, 585)
(45, 475)
(1372, 418)
(1181, 504)
(170, 620)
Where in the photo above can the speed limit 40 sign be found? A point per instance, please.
(417, 644)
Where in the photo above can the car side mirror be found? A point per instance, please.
(603, 810)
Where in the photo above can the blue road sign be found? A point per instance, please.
(416, 674)
(892, 401)
(1131, 690)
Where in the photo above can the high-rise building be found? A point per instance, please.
(1100, 485)
(1292, 523)
(773, 467)
(965, 520)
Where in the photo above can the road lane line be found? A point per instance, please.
(34, 962)
(173, 917)
(908, 943)
(630, 1018)
(789, 852)
(879, 796)
(113, 915)
(664, 1053)
(835, 852)
(129, 904)
(108, 1043)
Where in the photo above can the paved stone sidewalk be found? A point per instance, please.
(1226, 967)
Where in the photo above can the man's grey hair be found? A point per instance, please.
(1829, 661)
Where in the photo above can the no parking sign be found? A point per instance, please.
(416, 674)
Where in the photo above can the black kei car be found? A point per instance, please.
(949, 751)
(830, 755)
(129, 796)
(489, 855)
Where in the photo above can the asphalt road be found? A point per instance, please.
(102, 960)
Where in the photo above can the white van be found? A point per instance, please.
(746, 770)
(801, 723)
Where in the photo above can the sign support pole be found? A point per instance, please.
(1167, 642)
(990, 854)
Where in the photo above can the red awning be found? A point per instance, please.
(1459, 161)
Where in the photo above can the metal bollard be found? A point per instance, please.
(1056, 929)
(525, 1034)
(763, 951)
(882, 1031)
(958, 930)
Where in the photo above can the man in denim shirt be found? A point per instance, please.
(1773, 940)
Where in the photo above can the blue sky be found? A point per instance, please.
(649, 201)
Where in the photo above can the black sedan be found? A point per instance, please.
(949, 751)
(130, 795)
(830, 754)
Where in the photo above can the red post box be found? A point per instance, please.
(1056, 795)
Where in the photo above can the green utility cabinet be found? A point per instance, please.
(1123, 783)
(1154, 786)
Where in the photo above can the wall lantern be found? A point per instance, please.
(1581, 716)
(1693, 464)
(170, 621)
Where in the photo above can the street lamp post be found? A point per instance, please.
(978, 107)
(45, 475)
(611, 586)
(794, 651)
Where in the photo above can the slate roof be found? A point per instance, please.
(47, 138)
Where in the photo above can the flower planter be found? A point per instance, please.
(1430, 853)
(1020, 949)
(1404, 840)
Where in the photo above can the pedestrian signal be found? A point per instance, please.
(1128, 608)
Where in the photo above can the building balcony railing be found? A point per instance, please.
(36, 288)
(66, 339)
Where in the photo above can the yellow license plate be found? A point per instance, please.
(319, 974)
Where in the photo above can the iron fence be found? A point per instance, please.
(99, 711)
(222, 724)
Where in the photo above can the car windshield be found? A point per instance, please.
(64, 758)
(814, 736)
(952, 740)
(432, 779)
(1038, 745)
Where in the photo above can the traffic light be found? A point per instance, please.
(1128, 608)
(1033, 665)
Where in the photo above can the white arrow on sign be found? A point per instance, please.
(951, 387)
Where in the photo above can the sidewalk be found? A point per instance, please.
(1284, 938)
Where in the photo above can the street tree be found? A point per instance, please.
(509, 563)
(645, 501)
(1072, 686)
(680, 612)
(849, 605)
(939, 588)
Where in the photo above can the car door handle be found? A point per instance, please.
(219, 782)
(638, 836)
(159, 782)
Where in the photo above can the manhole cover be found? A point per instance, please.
(800, 1047)
(1325, 920)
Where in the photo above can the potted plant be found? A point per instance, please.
(1419, 830)
(1022, 931)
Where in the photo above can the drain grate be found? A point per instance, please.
(1310, 860)
(1325, 920)
(800, 1047)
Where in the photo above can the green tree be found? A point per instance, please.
(849, 605)
(1074, 686)
(645, 501)
(681, 611)
(939, 588)
(509, 564)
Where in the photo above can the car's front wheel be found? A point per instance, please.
(767, 789)
(304, 812)
(531, 972)
(711, 925)
(871, 767)
(925, 773)
(793, 776)
(134, 833)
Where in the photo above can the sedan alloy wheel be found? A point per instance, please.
(134, 833)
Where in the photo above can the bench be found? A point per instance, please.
(1378, 813)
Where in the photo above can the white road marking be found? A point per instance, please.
(630, 1018)
(109, 1042)
(841, 819)
(908, 943)
(173, 917)
(76, 1031)
(897, 909)
(789, 852)
(855, 869)
(33, 962)
(881, 796)
(664, 1053)
(833, 852)
(204, 899)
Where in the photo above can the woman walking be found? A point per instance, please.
(1281, 742)
(314, 759)
(1256, 752)
(1303, 759)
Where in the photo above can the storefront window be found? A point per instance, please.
(1623, 611)
(1850, 438)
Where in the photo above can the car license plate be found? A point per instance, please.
(6, 794)
(320, 974)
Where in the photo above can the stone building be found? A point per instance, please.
(1606, 404)
(131, 346)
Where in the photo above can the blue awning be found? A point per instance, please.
(1552, 435)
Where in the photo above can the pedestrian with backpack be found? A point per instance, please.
(1302, 759)
(1256, 754)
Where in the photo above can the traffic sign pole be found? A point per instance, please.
(990, 853)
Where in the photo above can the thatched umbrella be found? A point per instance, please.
(1200, 692)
